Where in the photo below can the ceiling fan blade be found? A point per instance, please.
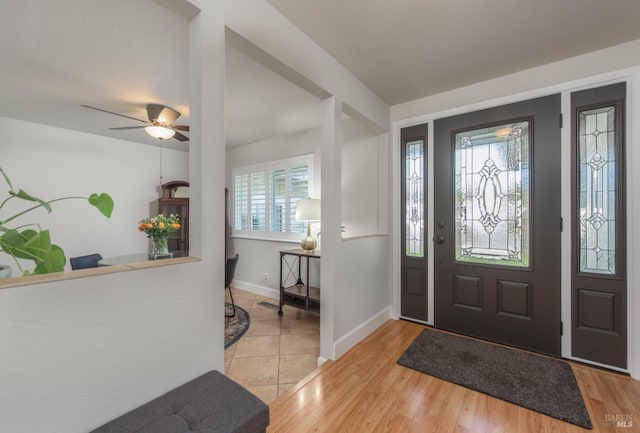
(180, 137)
(127, 127)
(161, 114)
(180, 127)
(111, 112)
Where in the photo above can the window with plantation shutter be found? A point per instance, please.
(265, 198)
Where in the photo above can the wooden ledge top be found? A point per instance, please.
(90, 272)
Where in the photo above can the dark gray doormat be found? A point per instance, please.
(542, 384)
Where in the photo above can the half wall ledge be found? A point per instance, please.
(90, 272)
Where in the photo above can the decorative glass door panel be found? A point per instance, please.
(413, 221)
(414, 186)
(492, 195)
(497, 224)
(597, 190)
(598, 226)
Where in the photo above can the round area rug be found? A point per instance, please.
(235, 327)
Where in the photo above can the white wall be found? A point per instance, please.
(619, 63)
(360, 179)
(263, 257)
(77, 353)
(362, 290)
(50, 162)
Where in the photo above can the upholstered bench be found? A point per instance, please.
(211, 403)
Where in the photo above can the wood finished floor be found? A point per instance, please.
(366, 391)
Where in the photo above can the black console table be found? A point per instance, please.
(295, 289)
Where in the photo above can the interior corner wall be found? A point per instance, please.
(50, 162)
(360, 174)
(260, 23)
(362, 298)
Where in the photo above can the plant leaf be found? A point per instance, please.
(35, 246)
(103, 202)
(51, 260)
(26, 196)
(13, 243)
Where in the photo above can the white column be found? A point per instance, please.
(207, 152)
(331, 142)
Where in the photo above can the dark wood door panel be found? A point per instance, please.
(509, 294)
(599, 268)
(413, 298)
(413, 217)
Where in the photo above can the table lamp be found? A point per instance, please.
(308, 210)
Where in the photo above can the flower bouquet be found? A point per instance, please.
(158, 229)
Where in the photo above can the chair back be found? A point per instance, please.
(83, 262)
(230, 269)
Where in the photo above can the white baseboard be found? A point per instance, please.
(321, 360)
(258, 290)
(359, 333)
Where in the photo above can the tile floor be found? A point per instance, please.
(275, 353)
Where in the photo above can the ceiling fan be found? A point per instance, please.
(160, 124)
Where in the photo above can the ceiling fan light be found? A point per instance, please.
(160, 132)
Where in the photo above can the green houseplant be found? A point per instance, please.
(29, 241)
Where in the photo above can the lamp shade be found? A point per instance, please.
(308, 209)
(161, 132)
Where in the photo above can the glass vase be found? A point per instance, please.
(159, 248)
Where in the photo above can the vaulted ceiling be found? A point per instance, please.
(120, 55)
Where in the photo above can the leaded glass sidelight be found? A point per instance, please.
(597, 190)
(414, 187)
(492, 195)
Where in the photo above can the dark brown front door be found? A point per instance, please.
(497, 224)
(413, 294)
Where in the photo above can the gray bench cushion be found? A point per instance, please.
(211, 403)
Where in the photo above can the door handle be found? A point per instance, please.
(440, 240)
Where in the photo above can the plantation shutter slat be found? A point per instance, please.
(298, 190)
(241, 194)
(279, 201)
(259, 201)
